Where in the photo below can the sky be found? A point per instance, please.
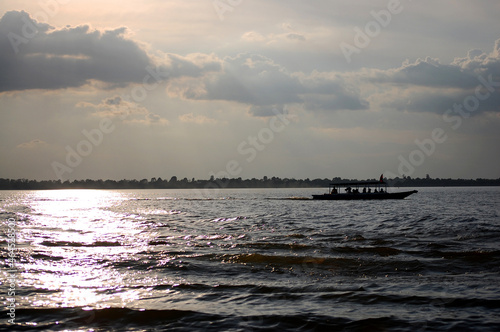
(237, 88)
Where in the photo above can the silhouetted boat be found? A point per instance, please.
(362, 190)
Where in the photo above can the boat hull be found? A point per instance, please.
(362, 196)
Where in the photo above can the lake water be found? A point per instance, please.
(250, 260)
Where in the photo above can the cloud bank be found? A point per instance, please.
(38, 56)
(184, 89)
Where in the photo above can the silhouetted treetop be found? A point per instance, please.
(265, 182)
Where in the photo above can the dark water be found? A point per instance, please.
(252, 260)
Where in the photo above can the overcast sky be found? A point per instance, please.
(157, 88)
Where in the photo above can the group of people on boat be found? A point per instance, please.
(365, 190)
(361, 190)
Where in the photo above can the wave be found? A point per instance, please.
(121, 319)
(183, 320)
(184, 199)
(80, 244)
(59, 319)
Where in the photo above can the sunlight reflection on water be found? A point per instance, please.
(256, 256)
(84, 239)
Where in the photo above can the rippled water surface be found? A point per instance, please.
(258, 259)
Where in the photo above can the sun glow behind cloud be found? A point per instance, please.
(186, 78)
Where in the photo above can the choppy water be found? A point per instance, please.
(243, 260)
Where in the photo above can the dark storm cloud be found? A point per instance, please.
(258, 81)
(461, 73)
(38, 56)
(440, 102)
(430, 73)
(435, 87)
(253, 79)
(194, 65)
(331, 92)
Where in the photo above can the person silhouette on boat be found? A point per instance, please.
(348, 190)
(334, 191)
(364, 190)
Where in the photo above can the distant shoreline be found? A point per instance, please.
(213, 183)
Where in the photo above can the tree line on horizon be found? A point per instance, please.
(220, 183)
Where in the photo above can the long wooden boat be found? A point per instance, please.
(362, 191)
